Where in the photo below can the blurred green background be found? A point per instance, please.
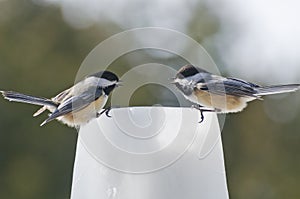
(43, 42)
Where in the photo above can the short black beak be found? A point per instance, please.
(172, 80)
(119, 83)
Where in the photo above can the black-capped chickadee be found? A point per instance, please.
(77, 105)
(213, 93)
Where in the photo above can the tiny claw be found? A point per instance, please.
(106, 111)
(202, 116)
(198, 107)
(202, 109)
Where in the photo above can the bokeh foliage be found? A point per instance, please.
(40, 55)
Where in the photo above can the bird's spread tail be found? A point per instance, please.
(19, 97)
(270, 90)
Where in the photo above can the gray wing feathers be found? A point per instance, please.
(75, 103)
(229, 87)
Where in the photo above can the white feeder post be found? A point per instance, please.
(150, 153)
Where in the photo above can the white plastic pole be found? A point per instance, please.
(150, 153)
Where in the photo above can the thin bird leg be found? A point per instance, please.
(106, 111)
(197, 106)
(202, 110)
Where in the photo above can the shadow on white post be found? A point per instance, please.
(150, 153)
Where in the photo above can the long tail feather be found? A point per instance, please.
(19, 97)
(270, 90)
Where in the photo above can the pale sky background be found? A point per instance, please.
(257, 38)
(263, 38)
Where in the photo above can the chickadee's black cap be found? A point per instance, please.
(106, 75)
(188, 71)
